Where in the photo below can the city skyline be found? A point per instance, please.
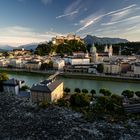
(29, 21)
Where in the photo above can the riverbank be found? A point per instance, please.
(100, 77)
(75, 75)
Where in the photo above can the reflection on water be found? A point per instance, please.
(115, 87)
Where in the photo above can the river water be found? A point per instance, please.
(114, 87)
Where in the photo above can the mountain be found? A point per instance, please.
(6, 48)
(105, 40)
(31, 46)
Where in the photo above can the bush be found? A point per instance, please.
(67, 90)
(43, 104)
(137, 93)
(24, 88)
(128, 93)
(105, 92)
(79, 100)
(116, 99)
(62, 102)
(77, 90)
(84, 91)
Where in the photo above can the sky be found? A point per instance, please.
(31, 21)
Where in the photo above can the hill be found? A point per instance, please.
(105, 40)
(31, 46)
(6, 48)
(22, 120)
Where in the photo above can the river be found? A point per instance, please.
(114, 87)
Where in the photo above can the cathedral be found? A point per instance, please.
(100, 56)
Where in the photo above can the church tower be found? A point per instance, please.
(110, 51)
(93, 52)
(106, 49)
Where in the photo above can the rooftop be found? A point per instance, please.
(46, 86)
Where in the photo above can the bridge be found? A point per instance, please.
(54, 75)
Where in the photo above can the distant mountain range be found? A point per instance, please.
(105, 40)
(88, 40)
(31, 46)
(6, 48)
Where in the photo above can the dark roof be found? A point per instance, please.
(47, 88)
(11, 82)
(32, 62)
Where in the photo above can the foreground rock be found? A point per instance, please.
(21, 120)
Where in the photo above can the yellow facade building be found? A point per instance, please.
(48, 90)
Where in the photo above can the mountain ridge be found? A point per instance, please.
(89, 39)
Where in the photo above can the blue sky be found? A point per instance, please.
(28, 21)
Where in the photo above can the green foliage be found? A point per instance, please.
(62, 102)
(45, 66)
(67, 47)
(128, 93)
(25, 87)
(93, 92)
(116, 99)
(3, 77)
(67, 90)
(84, 91)
(43, 104)
(77, 90)
(79, 100)
(137, 93)
(111, 104)
(100, 68)
(127, 48)
(105, 92)
(44, 49)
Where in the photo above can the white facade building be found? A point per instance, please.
(79, 61)
(112, 68)
(58, 64)
(137, 69)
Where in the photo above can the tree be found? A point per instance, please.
(77, 90)
(100, 68)
(79, 100)
(24, 88)
(67, 90)
(137, 93)
(84, 91)
(93, 92)
(105, 92)
(128, 93)
(3, 77)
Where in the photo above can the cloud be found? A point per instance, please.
(68, 14)
(133, 19)
(95, 18)
(18, 35)
(72, 10)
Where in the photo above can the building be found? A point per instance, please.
(137, 69)
(100, 56)
(33, 65)
(16, 63)
(58, 64)
(78, 61)
(112, 68)
(12, 86)
(48, 90)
